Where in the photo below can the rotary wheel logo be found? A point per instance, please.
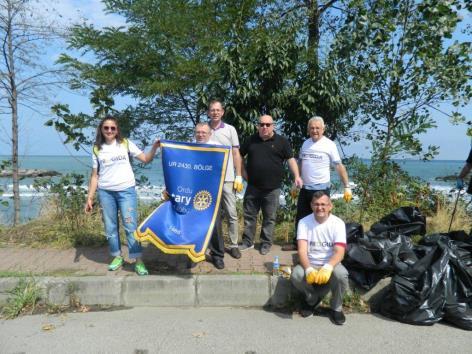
(202, 200)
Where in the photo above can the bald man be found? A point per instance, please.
(265, 153)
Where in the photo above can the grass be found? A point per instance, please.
(74, 228)
(441, 220)
(13, 274)
(23, 298)
(352, 302)
(64, 230)
(47, 231)
(55, 273)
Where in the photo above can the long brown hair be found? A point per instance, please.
(99, 138)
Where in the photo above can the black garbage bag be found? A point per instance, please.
(385, 249)
(458, 307)
(417, 295)
(354, 231)
(438, 286)
(372, 257)
(406, 221)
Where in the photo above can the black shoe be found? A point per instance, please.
(306, 310)
(337, 317)
(245, 246)
(234, 252)
(265, 248)
(218, 263)
(289, 247)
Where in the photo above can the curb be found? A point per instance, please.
(161, 290)
(171, 290)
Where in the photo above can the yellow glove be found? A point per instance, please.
(323, 275)
(347, 194)
(310, 274)
(294, 192)
(238, 184)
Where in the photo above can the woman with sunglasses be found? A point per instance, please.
(113, 179)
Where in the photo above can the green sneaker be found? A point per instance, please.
(140, 268)
(116, 263)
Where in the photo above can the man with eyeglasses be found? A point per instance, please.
(317, 154)
(216, 246)
(202, 135)
(266, 153)
(321, 238)
(226, 134)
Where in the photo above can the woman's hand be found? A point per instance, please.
(88, 205)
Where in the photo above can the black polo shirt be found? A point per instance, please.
(265, 160)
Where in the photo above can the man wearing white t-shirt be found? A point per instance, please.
(317, 154)
(321, 239)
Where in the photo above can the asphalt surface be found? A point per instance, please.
(222, 330)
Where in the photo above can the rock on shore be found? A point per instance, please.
(30, 173)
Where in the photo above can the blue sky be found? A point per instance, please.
(36, 139)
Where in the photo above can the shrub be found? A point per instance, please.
(23, 298)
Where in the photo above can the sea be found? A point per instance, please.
(33, 200)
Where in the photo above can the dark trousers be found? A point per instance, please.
(265, 200)
(304, 207)
(217, 244)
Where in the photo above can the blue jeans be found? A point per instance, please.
(126, 201)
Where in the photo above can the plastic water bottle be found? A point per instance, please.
(276, 266)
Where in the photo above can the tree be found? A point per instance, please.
(402, 62)
(23, 36)
(163, 60)
(174, 56)
(282, 65)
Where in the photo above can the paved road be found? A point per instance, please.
(222, 330)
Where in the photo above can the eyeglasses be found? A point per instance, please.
(262, 125)
(107, 128)
(322, 205)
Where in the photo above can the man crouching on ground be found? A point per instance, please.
(321, 240)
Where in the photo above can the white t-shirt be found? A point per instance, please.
(226, 134)
(321, 238)
(115, 172)
(316, 158)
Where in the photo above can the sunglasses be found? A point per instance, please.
(106, 128)
(265, 125)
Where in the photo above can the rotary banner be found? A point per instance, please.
(194, 175)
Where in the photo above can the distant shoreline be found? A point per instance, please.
(3, 157)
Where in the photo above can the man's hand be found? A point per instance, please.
(310, 274)
(347, 194)
(238, 184)
(460, 183)
(298, 182)
(323, 275)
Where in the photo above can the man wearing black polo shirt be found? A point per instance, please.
(464, 172)
(265, 154)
